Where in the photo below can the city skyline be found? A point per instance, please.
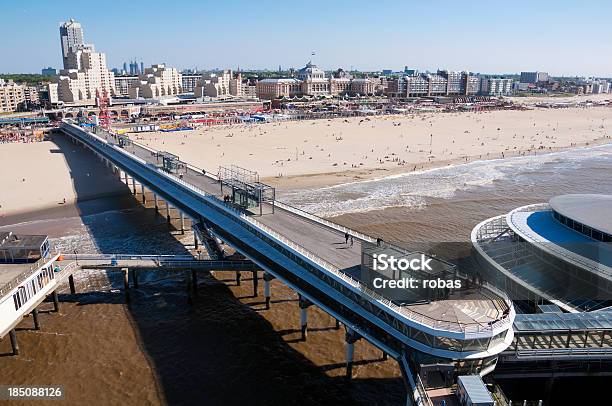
(373, 37)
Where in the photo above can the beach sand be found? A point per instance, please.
(314, 153)
(305, 154)
(529, 100)
(40, 175)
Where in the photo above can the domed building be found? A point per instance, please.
(310, 72)
(311, 81)
(314, 82)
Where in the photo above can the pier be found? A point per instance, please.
(310, 255)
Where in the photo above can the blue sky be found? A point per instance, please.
(562, 37)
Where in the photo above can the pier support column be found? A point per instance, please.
(56, 307)
(238, 276)
(351, 337)
(194, 280)
(126, 284)
(35, 318)
(255, 283)
(144, 196)
(304, 304)
(135, 278)
(155, 200)
(182, 223)
(267, 278)
(189, 290)
(14, 344)
(71, 283)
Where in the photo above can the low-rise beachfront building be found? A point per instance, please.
(416, 85)
(496, 86)
(158, 81)
(442, 83)
(269, 89)
(189, 81)
(364, 86)
(124, 82)
(11, 95)
(215, 84)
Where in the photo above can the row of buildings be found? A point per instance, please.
(14, 96)
(312, 81)
(85, 76)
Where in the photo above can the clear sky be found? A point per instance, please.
(561, 37)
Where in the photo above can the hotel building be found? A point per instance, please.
(311, 81)
(496, 86)
(442, 83)
(214, 84)
(71, 37)
(189, 81)
(124, 82)
(158, 81)
(14, 96)
(85, 73)
(11, 96)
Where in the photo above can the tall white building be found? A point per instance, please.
(85, 74)
(90, 79)
(71, 37)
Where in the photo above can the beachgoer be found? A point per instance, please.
(351, 240)
(346, 238)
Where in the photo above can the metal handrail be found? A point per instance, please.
(324, 222)
(122, 257)
(403, 311)
(422, 392)
(65, 269)
(10, 285)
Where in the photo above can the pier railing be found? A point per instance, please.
(324, 222)
(13, 283)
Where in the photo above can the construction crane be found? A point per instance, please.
(102, 102)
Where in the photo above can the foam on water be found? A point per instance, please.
(412, 189)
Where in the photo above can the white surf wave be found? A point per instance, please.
(412, 189)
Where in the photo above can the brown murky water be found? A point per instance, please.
(226, 349)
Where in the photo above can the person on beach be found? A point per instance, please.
(346, 238)
(351, 240)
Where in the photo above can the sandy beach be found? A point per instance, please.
(559, 98)
(314, 153)
(40, 175)
(306, 154)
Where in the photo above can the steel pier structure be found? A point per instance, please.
(307, 254)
